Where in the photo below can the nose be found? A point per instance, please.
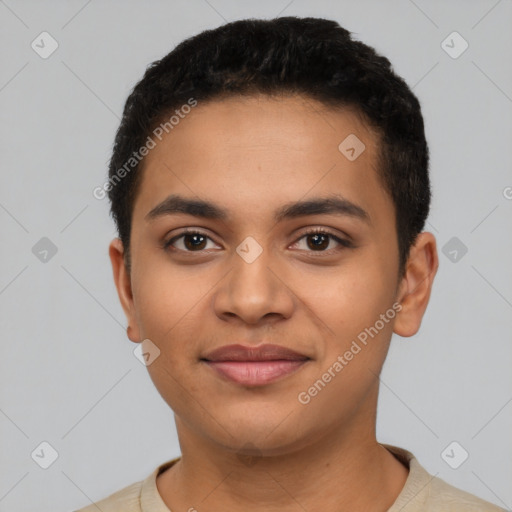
(254, 291)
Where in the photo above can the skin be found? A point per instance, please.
(243, 448)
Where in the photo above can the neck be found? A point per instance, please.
(345, 469)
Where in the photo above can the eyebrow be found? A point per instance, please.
(334, 204)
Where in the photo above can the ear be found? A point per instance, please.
(416, 285)
(124, 288)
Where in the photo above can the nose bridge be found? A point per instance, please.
(252, 265)
(252, 289)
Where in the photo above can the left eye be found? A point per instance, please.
(319, 240)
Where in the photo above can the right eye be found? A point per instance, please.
(189, 240)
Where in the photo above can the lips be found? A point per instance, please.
(254, 366)
(261, 353)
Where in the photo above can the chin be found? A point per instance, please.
(259, 433)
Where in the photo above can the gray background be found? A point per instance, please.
(68, 373)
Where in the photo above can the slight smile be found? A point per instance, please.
(254, 366)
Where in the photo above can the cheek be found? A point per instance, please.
(166, 302)
(354, 297)
(157, 308)
(351, 304)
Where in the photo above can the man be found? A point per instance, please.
(269, 182)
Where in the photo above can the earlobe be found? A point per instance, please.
(416, 285)
(124, 289)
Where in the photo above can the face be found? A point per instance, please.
(297, 248)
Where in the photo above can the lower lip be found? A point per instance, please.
(255, 373)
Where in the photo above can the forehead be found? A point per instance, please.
(257, 151)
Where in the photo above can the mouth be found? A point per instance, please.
(254, 366)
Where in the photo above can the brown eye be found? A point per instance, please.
(319, 240)
(188, 241)
(193, 242)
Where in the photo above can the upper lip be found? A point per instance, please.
(266, 352)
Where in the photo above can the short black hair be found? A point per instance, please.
(313, 57)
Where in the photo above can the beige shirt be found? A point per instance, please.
(422, 493)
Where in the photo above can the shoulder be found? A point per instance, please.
(424, 492)
(124, 500)
(140, 496)
(444, 496)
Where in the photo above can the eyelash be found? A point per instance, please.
(167, 245)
